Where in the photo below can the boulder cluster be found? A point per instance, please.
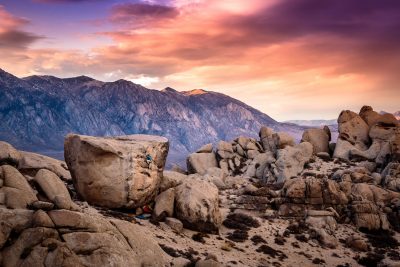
(42, 225)
(88, 210)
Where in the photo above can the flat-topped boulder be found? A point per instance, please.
(116, 172)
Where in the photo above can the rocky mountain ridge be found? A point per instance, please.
(36, 113)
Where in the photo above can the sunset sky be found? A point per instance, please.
(292, 59)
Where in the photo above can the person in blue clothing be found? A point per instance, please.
(149, 159)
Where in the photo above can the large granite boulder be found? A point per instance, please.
(319, 138)
(171, 179)
(54, 188)
(372, 117)
(116, 172)
(290, 160)
(196, 205)
(267, 139)
(200, 162)
(353, 129)
(18, 194)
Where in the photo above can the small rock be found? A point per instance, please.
(42, 205)
(207, 263)
(174, 223)
(165, 203)
(357, 244)
(41, 219)
(208, 148)
(324, 156)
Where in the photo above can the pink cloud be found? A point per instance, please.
(11, 35)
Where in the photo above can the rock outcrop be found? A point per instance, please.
(119, 172)
(200, 162)
(196, 205)
(319, 138)
(367, 136)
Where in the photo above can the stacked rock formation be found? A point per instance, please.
(41, 225)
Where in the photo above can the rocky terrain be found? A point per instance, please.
(37, 112)
(265, 201)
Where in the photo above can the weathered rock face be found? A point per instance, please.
(353, 129)
(266, 138)
(342, 149)
(272, 141)
(164, 204)
(171, 179)
(290, 161)
(119, 172)
(314, 191)
(39, 233)
(17, 192)
(196, 205)
(54, 189)
(391, 176)
(367, 215)
(318, 138)
(200, 162)
(372, 117)
(84, 240)
(368, 136)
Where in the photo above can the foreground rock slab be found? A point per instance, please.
(117, 172)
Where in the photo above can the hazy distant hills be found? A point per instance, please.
(313, 123)
(38, 111)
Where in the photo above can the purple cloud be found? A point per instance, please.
(131, 12)
(17, 39)
(65, 1)
(366, 19)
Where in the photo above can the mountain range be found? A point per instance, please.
(36, 113)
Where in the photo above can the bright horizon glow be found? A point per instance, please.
(291, 60)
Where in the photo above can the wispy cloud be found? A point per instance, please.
(11, 35)
(65, 1)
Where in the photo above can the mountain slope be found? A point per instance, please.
(38, 111)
